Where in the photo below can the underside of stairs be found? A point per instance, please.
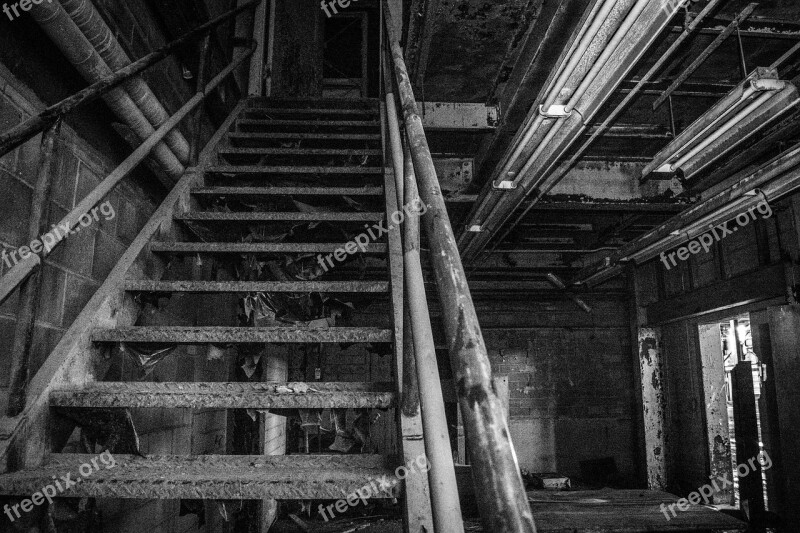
(317, 164)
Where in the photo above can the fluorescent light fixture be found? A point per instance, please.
(750, 107)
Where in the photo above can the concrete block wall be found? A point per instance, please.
(570, 381)
(75, 270)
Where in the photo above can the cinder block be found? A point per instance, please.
(7, 326)
(66, 179)
(16, 210)
(88, 180)
(51, 298)
(10, 116)
(109, 225)
(127, 221)
(107, 252)
(44, 341)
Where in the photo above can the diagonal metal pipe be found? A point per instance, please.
(637, 30)
(66, 35)
(89, 21)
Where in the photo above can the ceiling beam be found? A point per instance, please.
(458, 116)
(724, 34)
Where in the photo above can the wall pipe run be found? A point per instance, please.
(503, 503)
(21, 133)
(89, 21)
(20, 271)
(60, 28)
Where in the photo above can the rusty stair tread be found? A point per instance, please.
(286, 477)
(227, 395)
(243, 335)
(256, 248)
(299, 151)
(275, 216)
(308, 110)
(311, 122)
(289, 169)
(294, 135)
(289, 191)
(259, 286)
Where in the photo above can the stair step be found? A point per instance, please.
(300, 102)
(244, 335)
(259, 286)
(299, 151)
(288, 191)
(317, 111)
(317, 123)
(236, 477)
(306, 136)
(256, 248)
(256, 169)
(227, 395)
(266, 216)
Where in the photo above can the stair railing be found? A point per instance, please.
(497, 481)
(17, 277)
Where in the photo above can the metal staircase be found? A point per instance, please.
(282, 150)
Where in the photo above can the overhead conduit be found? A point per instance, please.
(613, 36)
(735, 196)
(89, 21)
(66, 35)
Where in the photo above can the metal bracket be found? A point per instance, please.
(555, 111)
(504, 185)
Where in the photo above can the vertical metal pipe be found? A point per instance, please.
(31, 288)
(442, 475)
(198, 116)
(502, 500)
(256, 85)
(273, 5)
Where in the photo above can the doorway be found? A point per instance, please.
(734, 384)
(345, 56)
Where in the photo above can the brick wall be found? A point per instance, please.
(76, 269)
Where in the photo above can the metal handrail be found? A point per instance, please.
(26, 130)
(21, 270)
(498, 483)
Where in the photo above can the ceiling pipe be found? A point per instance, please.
(69, 39)
(89, 21)
(736, 195)
(711, 6)
(594, 25)
(637, 27)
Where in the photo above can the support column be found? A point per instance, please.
(653, 406)
(272, 427)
